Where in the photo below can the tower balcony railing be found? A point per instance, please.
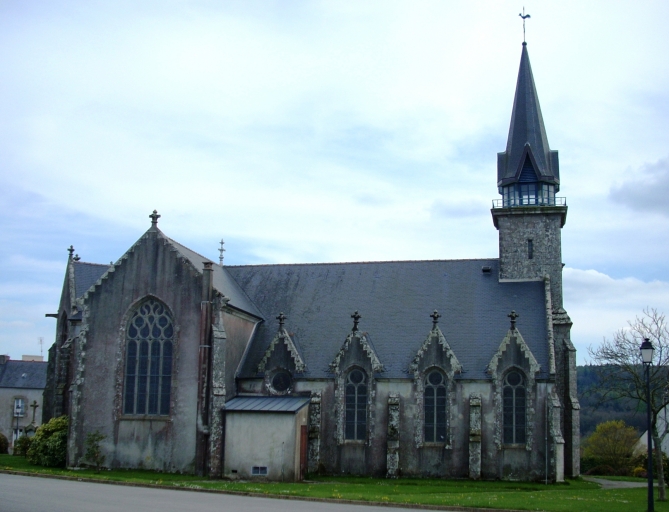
(529, 201)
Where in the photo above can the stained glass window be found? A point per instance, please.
(148, 360)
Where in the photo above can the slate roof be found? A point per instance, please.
(395, 300)
(23, 374)
(222, 280)
(527, 130)
(86, 275)
(267, 404)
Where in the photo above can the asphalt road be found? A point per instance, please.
(34, 494)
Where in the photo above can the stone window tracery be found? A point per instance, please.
(435, 407)
(148, 361)
(356, 405)
(514, 408)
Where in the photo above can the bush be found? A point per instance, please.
(49, 446)
(612, 443)
(641, 461)
(4, 444)
(22, 445)
(93, 450)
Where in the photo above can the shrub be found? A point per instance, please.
(613, 444)
(49, 446)
(641, 461)
(93, 450)
(22, 445)
(4, 443)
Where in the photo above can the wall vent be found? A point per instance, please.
(486, 270)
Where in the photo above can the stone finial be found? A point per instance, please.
(154, 218)
(282, 320)
(513, 315)
(356, 320)
(221, 250)
(435, 318)
(76, 257)
(71, 251)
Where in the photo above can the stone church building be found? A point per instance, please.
(442, 368)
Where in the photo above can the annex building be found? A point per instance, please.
(446, 368)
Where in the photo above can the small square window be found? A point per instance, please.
(259, 470)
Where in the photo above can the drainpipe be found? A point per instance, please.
(204, 370)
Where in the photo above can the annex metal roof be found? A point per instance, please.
(266, 404)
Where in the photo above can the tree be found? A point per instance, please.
(622, 375)
(612, 443)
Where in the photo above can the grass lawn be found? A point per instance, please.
(573, 495)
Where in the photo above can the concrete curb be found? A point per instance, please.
(261, 495)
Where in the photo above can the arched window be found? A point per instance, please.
(435, 407)
(356, 405)
(514, 408)
(148, 360)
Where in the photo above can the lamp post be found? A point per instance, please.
(647, 358)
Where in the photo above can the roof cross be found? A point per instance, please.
(524, 16)
(71, 251)
(154, 218)
(356, 319)
(435, 319)
(282, 319)
(513, 315)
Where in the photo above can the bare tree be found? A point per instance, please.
(621, 373)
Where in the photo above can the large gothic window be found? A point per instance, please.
(515, 406)
(356, 405)
(435, 407)
(148, 360)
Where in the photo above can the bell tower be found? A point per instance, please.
(529, 218)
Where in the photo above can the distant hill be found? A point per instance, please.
(630, 411)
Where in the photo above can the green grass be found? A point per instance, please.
(573, 495)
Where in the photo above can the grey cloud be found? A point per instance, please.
(647, 190)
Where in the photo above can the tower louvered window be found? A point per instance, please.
(148, 361)
(356, 405)
(515, 408)
(435, 408)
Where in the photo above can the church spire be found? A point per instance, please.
(528, 156)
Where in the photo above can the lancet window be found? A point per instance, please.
(356, 405)
(514, 408)
(148, 360)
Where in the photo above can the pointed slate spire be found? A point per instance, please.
(527, 142)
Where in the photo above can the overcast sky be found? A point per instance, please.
(322, 131)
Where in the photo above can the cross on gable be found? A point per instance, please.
(356, 319)
(71, 250)
(281, 318)
(154, 218)
(435, 318)
(513, 315)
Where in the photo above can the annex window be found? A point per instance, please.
(356, 405)
(148, 360)
(435, 407)
(19, 407)
(515, 406)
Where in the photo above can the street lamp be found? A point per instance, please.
(647, 358)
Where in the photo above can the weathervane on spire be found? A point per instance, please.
(221, 251)
(524, 16)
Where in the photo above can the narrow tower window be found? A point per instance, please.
(530, 249)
